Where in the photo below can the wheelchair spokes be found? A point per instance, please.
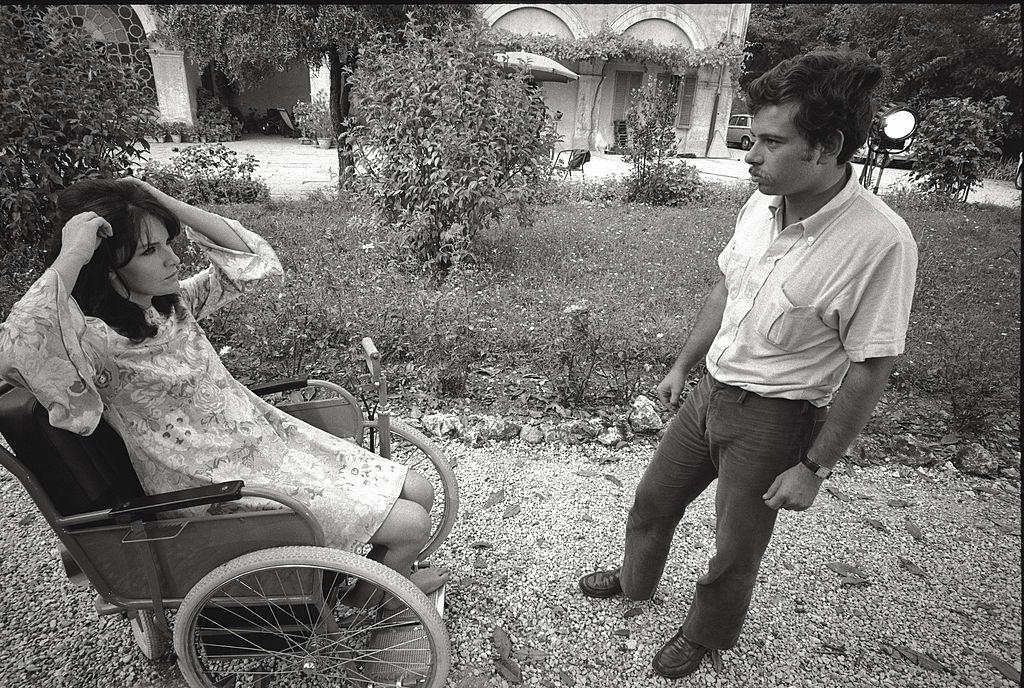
(289, 624)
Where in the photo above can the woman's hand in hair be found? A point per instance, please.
(81, 236)
(136, 182)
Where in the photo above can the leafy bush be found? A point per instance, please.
(655, 178)
(450, 142)
(314, 118)
(214, 121)
(67, 111)
(956, 137)
(673, 183)
(998, 168)
(211, 173)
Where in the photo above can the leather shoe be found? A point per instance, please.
(679, 657)
(601, 583)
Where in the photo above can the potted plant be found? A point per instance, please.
(174, 130)
(314, 119)
(155, 132)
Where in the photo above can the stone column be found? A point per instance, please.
(588, 108)
(175, 85)
(319, 80)
(718, 148)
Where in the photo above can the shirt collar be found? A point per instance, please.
(816, 223)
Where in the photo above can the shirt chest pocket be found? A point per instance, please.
(789, 327)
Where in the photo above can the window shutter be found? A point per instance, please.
(686, 100)
(625, 82)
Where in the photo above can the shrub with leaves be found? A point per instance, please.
(450, 141)
(955, 140)
(211, 173)
(314, 118)
(215, 121)
(67, 111)
(655, 178)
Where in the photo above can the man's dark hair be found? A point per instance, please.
(833, 93)
(124, 207)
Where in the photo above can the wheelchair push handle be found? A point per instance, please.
(372, 357)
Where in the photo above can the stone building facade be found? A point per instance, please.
(593, 108)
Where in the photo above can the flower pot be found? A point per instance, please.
(175, 138)
(324, 143)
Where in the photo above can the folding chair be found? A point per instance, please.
(571, 160)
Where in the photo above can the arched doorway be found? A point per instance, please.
(119, 27)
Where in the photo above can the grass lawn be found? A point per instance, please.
(503, 333)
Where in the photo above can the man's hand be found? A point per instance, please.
(671, 387)
(794, 489)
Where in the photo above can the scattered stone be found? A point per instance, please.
(531, 434)
(559, 436)
(442, 424)
(974, 459)
(1010, 473)
(611, 436)
(586, 429)
(495, 427)
(643, 416)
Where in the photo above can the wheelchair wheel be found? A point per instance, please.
(153, 642)
(412, 449)
(278, 617)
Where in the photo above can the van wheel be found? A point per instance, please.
(745, 143)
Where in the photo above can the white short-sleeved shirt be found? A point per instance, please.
(806, 300)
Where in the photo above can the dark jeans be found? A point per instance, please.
(744, 440)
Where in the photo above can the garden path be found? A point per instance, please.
(292, 170)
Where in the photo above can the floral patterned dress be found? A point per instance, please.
(184, 419)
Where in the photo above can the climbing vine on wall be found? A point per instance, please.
(609, 45)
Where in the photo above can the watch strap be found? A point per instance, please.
(819, 471)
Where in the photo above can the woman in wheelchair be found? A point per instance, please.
(110, 331)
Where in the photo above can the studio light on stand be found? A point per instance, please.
(892, 131)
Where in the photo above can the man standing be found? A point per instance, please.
(815, 293)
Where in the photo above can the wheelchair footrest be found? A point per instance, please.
(437, 599)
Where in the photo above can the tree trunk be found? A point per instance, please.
(339, 112)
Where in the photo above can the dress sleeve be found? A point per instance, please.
(230, 272)
(47, 348)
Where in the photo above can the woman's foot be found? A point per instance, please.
(429, 579)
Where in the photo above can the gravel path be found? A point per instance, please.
(518, 570)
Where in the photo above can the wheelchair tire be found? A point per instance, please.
(412, 449)
(154, 643)
(259, 620)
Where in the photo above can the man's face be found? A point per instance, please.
(781, 161)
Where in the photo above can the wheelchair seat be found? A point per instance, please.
(76, 474)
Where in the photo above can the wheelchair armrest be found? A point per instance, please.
(146, 505)
(278, 386)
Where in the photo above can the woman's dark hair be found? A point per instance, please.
(124, 206)
(833, 93)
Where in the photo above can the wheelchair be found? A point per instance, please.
(257, 600)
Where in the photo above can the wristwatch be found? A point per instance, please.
(819, 471)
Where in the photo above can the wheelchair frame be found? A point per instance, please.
(142, 566)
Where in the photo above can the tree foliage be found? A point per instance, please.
(655, 178)
(955, 136)
(246, 42)
(67, 111)
(606, 45)
(451, 141)
(927, 51)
